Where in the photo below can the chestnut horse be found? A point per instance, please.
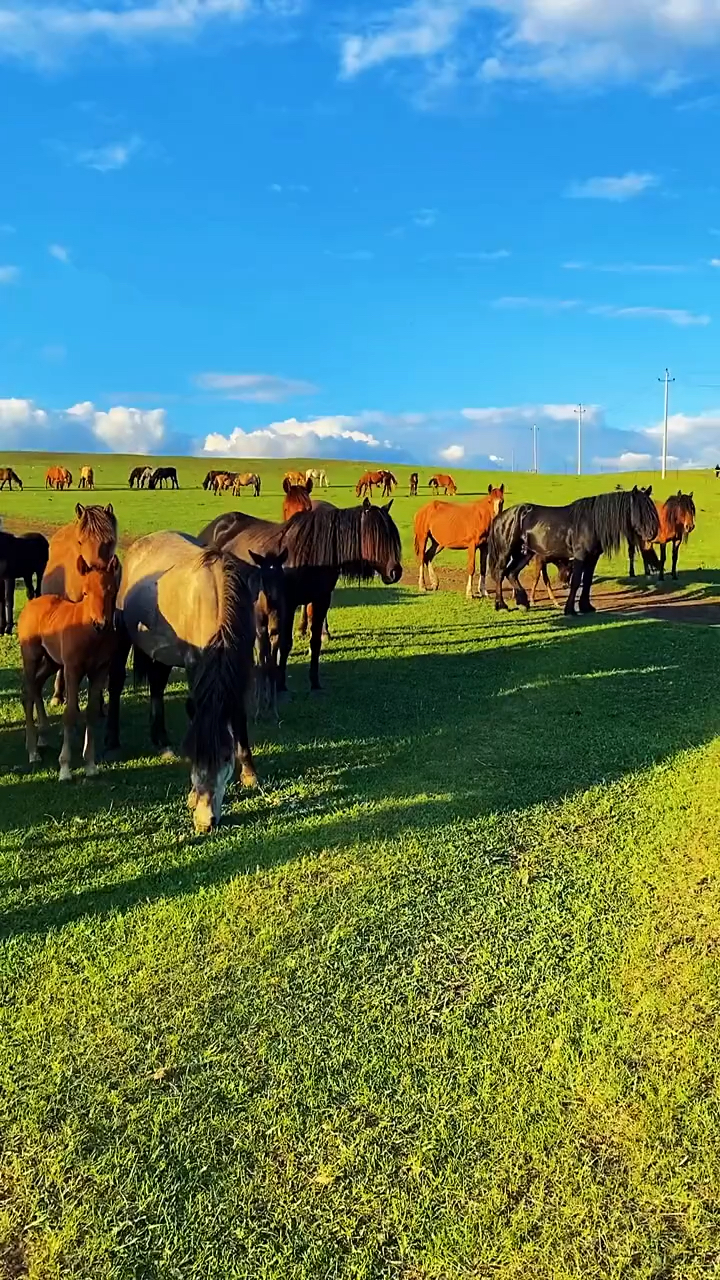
(446, 483)
(78, 639)
(365, 484)
(58, 478)
(294, 477)
(439, 525)
(92, 538)
(677, 521)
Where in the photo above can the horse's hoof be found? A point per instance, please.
(65, 774)
(249, 778)
(167, 753)
(91, 771)
(35, 758)
(500, 607)
(56, 702)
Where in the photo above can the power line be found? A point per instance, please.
(667, 380)
(580, 411)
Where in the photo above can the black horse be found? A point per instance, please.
(323, 545)
(582, 532)
(25, 558)
(163, 476)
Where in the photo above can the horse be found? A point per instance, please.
(582, 531)
(58, 478)
(323, 545)
(297, 498)
(163, 476)
(458, 526)
(446, 483)
(414, 482)
(77, 638)
(25, 558)
(185, 605)
(389, 482)
(9, 477)
(365, 484)
(246, 480)
(294, 477)
(210, 477)
(87, 478)
(222, 481)
(677, 521)
(139, 477)
(318, 476)
(90, 537)
(564, 568)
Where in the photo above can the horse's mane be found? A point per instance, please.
(220, 677)
(100, 522)
(353, 540)
(610, 517)
(679, 504)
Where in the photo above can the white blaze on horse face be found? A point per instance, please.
(207, 795)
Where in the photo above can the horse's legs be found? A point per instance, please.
(94, 712)
(575, 581)
(675, 551)
(472, 556)
(70, 719)
(116, 683)
(546, 580)
(431, 549)
(302, 629)
(284, 649)
(31, 655)
(3, 582)
(515, 567)
(631, 559)
(539, 565)
(663, 553)
(321, 604)
(58, 697)
(584, 604)
(158, 677)
(483, 569)
(9, 604)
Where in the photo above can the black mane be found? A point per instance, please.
(679, 505)
(615, 517)
(353, 540)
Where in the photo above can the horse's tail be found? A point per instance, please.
(504, 532)
(142, 666)
(421, 527)
(652, 560)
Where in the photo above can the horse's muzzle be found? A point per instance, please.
(393, 575)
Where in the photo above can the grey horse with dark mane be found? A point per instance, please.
(580, 532)
(183, 605)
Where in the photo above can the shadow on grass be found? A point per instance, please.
(397, 746)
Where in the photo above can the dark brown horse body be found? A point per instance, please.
(677, 521)
(26, 558)
(322, 545)
(414, 482)
(9, 477)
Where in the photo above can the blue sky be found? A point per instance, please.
(275, 227)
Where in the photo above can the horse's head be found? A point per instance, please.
(380, 541)
(497, 498)
(96, 532)
(644, 518)
(100, 588)
(271, 595)
(684, 512)
(209, 784)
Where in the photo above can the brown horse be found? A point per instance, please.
(87, 478)
(247, 480)
(90, 537)
(365, 484)
(414, 482)
(58, 478)
(9, 477)
(297, 498)
(677, 521)
(389, 482)
(458, 526)
(294, 477)
(222, 481)
(446, 483)
(78, 639)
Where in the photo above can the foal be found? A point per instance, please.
(55, 634)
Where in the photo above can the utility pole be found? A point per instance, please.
(580, 411)
(667, 380)
(535, 449)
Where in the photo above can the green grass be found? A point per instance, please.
(439, 1002)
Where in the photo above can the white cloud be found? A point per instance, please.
(60, 252)
(670, 315)
(453, 453)
(340, 435)
(260, 388)
(84, 411)
(522, 302)
(425, 218)
(483, 255)
(631, 268)
(21, 413)
(527, 415)
(627, 187)
(115, 155)
(494, 458)
(627, 461)
(130, 430)
(558, 43)
(9, 275)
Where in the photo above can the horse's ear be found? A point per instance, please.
(366, 504)
(309, 484)
(82, 568)
(502, 487)
(691, 493)
(489, 488)
(256, 559)
(282, 557)
(648, 491)
(388, 505)
(79, 510)
(286, 485)
(109, 509)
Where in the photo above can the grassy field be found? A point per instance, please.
(438, 1002)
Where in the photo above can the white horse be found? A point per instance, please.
(318, 477)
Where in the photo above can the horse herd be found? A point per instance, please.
(221, 603)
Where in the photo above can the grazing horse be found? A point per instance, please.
(208, 482)
(318, 476)
(582, 532)
(246, 480)
(58, 478)
(90, 537)
(77, 638)
(365, 484)
(459, 526)
(414, 482)
(9, 477)
(25, 558)
(389, 483)
(184, 605)
(163, 476)
(446, 483)
(139, 477)
(222, 481)
(323, 545)
(294, 477)
(677, 521)
(87, 478)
